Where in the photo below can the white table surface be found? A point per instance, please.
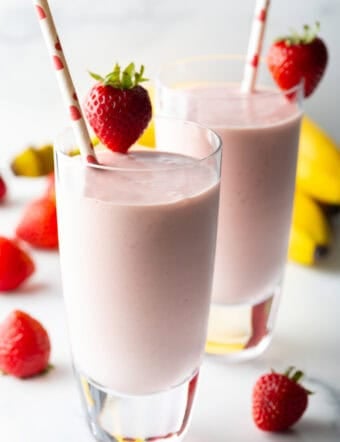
(307, 335)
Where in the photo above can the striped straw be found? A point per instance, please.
(65, 81)
(255, 45)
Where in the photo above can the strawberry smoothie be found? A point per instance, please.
(137, 247)
(260, 134)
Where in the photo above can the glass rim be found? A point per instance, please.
(215, 150)
(270, 91)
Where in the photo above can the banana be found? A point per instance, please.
(34, 161)
(318, 183)
(318, 168)
(316, 145)
(45, 154)
(303, 249)
(310, 235)
(27, 163)
(148, 137)
(308, 216)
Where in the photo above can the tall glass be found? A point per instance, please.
(137, 245)
(260, 134)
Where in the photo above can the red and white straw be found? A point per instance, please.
(255, 45)
(64, 80)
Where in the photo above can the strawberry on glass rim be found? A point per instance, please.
(118, 108)
(298, 57)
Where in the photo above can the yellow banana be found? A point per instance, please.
(309, 217)
(316, 145)
(148, 137)
(310, 234)
(318, 168)
(27, 163)
(302, 247)
(318, 182)
(45, 154)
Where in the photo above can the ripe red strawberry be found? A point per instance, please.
(298, 57)
(117, 108)
(279, 400)
(15, 265)
(3, 189)
(24, 345)
(38, 226)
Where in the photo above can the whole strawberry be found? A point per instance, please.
(118, 108)
(38, 225)
(24, 345)
(15, 265)
(279, 400)
(298, 57)
(3, 189)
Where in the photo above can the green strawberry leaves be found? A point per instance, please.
(308, 35)
(295, 376)
(122, 79)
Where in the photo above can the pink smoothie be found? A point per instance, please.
(137, 261)
(260, 135)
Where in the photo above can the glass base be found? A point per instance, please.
(242, 332)
(116, 417)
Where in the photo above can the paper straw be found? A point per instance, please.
(255, 45)
(65, 81)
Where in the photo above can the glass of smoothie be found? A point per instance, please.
(260, 133)
(137, 245)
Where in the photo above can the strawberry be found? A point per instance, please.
(279, 400)
(38, 225)
(3, 189)
(297, 57)
(15, 265)
(24, 345)
(118, 108)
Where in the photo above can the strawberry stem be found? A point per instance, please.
(292, 374)
(289, 371)
(308, 391)
(127, 78)
(297, 376)
(308, 35)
